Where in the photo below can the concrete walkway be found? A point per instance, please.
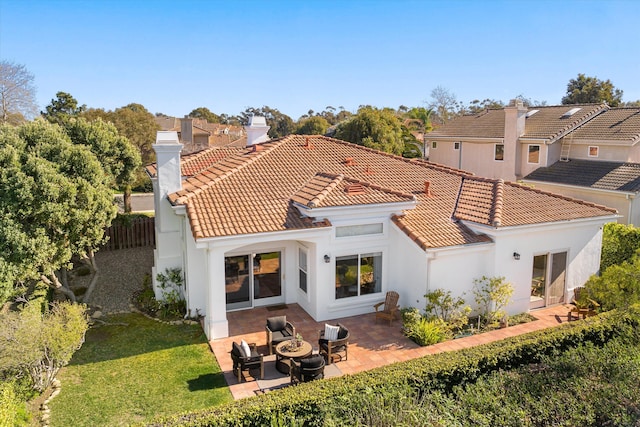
(371, 344)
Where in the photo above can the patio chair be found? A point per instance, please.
(244, 362)
(582, 305)
(389, 308)
(307, 369)
(332, 348)
(278, 330)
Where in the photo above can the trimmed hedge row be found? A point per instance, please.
(441, 371)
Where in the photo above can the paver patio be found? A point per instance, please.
(371, 345)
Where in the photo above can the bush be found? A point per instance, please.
(619, 244)
(452, 311)
(427, 332)
(617, 287)
(492, 294)
(13, 411)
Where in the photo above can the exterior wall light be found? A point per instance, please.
(516, 256)
(327, 259)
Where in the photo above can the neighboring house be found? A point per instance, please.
(199, 134)
(333, 226)
(588, 151)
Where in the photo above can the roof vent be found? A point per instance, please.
(307, 144)
(570, 112)
(354, 189)
(530, 113)
(427, 189)
(349, 161)
(256, 148)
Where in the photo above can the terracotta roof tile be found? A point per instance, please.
(193, 163)
(614, 176)
(253, 192)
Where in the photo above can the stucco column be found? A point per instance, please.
(216, 324)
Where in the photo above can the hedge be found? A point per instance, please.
(441, 371)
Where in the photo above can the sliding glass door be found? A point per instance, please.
(548, 279)
(252, 278)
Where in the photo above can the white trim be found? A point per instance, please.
(495, 152)
(529, 152)
(597, 147)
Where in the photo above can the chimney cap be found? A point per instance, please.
(165, 137)
(257, 121)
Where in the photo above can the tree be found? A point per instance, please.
(119, 158)
(62, 108)
(54, 204)
(444, 103)
(281, 124)
(204, 113)
(588, 90)
(315, 125)
(620, 243)
(373, 128)
(17, 93)
(492, 294)
(476, 106)
(618, 286)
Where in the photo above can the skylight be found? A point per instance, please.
(571, 112)
(530, 113)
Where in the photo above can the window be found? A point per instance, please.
(534, 154)
(358, 230)
(456, 145)
(358, 275)
(302, 267)
(593, 151)
(499, 152)
(434, 144)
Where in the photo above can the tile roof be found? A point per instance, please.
(193, 163)
(547, 123)
(254, 191)
(502, 204)
(614, 176)
(616, 125)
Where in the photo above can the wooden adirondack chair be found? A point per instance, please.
(389, 308)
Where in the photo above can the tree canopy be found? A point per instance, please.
(375, 128)
(17, 93)
(281, 124)
(315, 125)
(587, 90)
(62, 108)
(54, 203)
(204, 113)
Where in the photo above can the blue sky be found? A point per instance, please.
(174, 56)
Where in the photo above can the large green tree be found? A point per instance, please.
(315, 125)
(588, 90)
(62, 108)
(206, 114)
(55, 203)
(375, 128)
(17, 93)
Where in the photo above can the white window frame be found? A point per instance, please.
(456, 145)
(529, 152)
(434, 145)
(359, 256)
(303, 269)
(597, 149)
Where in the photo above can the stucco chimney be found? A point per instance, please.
(186, 130)
(514, 119)
(257, 130)
(167, 148)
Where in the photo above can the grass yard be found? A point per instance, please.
(127, 374)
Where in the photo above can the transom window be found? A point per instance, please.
(534, 154)
(498, 153)
(358, 230)
(358, 275)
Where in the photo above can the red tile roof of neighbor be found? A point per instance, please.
(255, 191)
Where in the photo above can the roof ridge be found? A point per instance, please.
(578, 122)
(498, 201)
(335, 180)
(227, 166)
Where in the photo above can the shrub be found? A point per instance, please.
(13, 411)
(452, 311)
(37, 345)
(172, 304)
(427, 331)
(617, 287)
(492, 294)
(619, 244)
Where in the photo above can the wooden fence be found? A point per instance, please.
(139, 233)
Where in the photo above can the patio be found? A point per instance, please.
(371, 345)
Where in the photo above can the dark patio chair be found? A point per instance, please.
(278, 330)
(307, 369)
(389, 308)
(244, 362)
(331, 348)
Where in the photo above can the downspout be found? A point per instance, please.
(430, 257)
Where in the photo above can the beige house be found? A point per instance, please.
(199, 134)
(588, 151)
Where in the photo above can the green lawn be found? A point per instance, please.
(126, 374)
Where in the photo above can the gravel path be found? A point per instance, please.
(121, 273)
